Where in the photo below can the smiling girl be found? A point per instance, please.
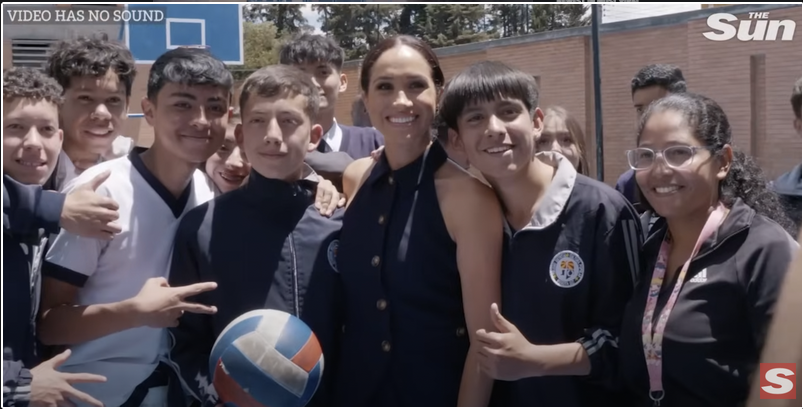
(715, 260)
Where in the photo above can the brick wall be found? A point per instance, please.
(751, 80)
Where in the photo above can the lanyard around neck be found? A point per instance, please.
(653, 341)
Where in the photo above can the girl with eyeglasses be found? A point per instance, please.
(693, 332)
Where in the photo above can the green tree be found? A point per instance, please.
(287, 18)
(357, 28)
(452, 24)
(260, 46)
(548, 17)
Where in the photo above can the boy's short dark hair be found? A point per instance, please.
(796, 98)
(277, 80)
(309, 48)
(666, 76)
(91, 56)
(483, 82)
(188, 66)
(31, 83)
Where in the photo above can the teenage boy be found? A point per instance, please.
(31, 144)
(789, 185)
(572, 248)
(262, 224)
(108, 299)
(650, 83)
(322, 59)
(96, 75)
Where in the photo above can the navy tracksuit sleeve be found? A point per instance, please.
(616, 267)
(27, 208)
(193, 338)
(16, 382)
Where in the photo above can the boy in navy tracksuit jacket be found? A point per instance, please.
(572, 251)
(265, 244)
(31, 145)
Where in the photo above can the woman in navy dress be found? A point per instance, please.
(420, 249)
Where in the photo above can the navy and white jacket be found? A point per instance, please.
(567, 277)
(30, 215)
(267, 247)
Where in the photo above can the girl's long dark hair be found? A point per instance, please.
(745, 178)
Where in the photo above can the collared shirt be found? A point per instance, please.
(115, 270)
(333, 137)
(66, 170)
(566, 278)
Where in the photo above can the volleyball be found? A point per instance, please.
(266, 358)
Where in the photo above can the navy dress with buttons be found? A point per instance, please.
(405, 340)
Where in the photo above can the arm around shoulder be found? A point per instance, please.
(354, 176)
(27, 208)
(474, 218)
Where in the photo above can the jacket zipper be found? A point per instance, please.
(296, 307)
(698, 257)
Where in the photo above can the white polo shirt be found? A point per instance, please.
(113, 271)
(334, 137)
(66, 171)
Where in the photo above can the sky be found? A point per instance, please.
(611, 12)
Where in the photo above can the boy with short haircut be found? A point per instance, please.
(788, 185)
(97, 75)
(650, 83)
(234, 238)
(31, 144)
(572, 248)
(108, 299)
(322, 59)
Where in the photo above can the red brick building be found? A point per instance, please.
(751, 80)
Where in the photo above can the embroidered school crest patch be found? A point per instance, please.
(331, 254)
(567, 269)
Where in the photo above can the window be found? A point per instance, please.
(30, 53)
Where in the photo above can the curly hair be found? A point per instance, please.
(31, 83)
(745, 179)
(665, 76)
(91, 56)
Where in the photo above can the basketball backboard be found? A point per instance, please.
(217, 26)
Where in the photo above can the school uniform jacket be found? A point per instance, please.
(715, 333)
(566, 278)
(30, 214)
(357, 142)
(267, 247)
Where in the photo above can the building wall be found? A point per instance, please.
(751, 80)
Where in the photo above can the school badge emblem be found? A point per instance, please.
(331, 254)
(567, 269)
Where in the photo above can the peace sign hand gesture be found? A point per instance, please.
(160, 306)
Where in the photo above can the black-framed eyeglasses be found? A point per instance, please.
(674, 156)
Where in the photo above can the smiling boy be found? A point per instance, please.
(572, 252)
(108, 299)
(271, 223)
(97, 75)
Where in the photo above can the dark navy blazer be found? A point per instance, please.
(358, 142)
